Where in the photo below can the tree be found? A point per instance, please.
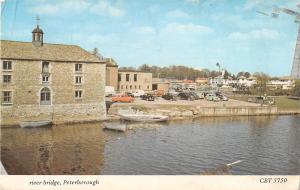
(240, 74)
(247, 74)
(261, 79)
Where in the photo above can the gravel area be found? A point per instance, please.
(201, 102)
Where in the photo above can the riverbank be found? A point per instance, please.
(199, 108)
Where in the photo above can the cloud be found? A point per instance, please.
(145, 30)
(195, 2)
(45, 9)
(104, 7)
(254, 35)
(189, 28)
(258, 4)
(177, 14)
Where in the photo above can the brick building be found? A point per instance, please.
(43, 81)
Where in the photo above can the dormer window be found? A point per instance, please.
(7, 65)
(78, 67)
(45, 67)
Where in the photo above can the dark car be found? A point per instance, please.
(186, 96)
(148, 97)
(169, 96)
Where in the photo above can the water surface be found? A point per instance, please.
(266, 144)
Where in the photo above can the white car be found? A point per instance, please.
(138, 93)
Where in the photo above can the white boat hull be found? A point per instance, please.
(143, 117)
(115, 127)
(28, 124)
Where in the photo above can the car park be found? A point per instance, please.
(169, 96)
(186, 96)
(212, 97)
(122, 98)
(148, 97)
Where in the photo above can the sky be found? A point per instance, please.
(194, 33)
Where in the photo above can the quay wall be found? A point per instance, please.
(58, 114)
(180, 111)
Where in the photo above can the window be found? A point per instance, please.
(78, 94)
(126, 87)
(6, 78)
(139, 86)
(135, 77)
(127, 77)
(78, 67)
(130, 87)
(78, 79)
(7, 65)
(45, 78)
(148, 87)
(134, 86)
(119, 77)
(7, 97)
(45, 67)
(45, 96)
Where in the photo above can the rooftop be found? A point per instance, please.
(50, 52)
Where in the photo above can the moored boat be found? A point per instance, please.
(28, 124)
(114, 126)
(143, 117)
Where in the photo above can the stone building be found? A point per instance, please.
(43, 81)
(111, 73)
(130, 80)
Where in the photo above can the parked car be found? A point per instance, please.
(129, 94)
(201, 95)
(212, 97)
(122, 98)
(223, 98)
(138, 93)
(169, 96)
(148, 97)
(195, 95)
(186, 96)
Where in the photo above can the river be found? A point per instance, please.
(265, 144)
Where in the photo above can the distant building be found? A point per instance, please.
(43, 81)
(284, 83)
(202, 81)
(130, 80)
(243, 81)
(111, 73)
(160, 84)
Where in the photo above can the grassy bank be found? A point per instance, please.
(282, 102)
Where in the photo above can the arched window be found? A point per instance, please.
(45, 96)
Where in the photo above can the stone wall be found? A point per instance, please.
(27, 83)
(178, 111)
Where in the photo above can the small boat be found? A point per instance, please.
(25, 124)
(2, 169)
(115, 126)
(143, 117)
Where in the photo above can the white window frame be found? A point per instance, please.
(5, 82)
(80, 81)
(3, 97)
(45, 102)
(78, 94)
(7, 69)
(78, 67)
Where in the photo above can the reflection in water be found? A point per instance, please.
(266, 144)
(76, 149)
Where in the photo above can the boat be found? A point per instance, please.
(2, 169)
(143, 117)
(28, 124)
(115, 126)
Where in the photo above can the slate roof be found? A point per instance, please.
(48, 52)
